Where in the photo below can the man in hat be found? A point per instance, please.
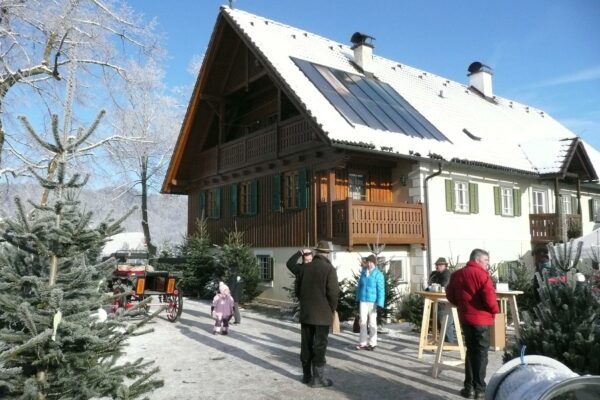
(317, 290)
(294, 264)
(370, 294)
(441, 276)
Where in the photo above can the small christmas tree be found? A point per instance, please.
(235, 254)
(564, 324)
(201, 268)
(53, 344)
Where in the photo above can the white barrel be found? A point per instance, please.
(517, 381)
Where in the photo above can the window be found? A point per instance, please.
(462, 197)
(356, 187)
(245, 198)
(569, 204)
(290, 189)
(397, 270)
(594, 205)
(566, 204)
(265, 267)
(538, 201)
(210, 203)
(507, 201)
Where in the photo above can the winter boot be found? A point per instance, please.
(306, 374)
(318, 380)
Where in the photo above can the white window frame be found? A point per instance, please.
(269, 257)
(461, 196)
(566, 204)
(265, 253)
(403, 268)
(507, 201)
(596, 209)
(357, 187)
(536, 206)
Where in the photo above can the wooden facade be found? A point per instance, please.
(250, 158)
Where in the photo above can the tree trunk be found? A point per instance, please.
(145, 225)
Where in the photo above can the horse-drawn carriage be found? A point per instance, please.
(134, 281)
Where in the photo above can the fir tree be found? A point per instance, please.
(564, 324)
(237, 254)
(52, 343)
(200, 269)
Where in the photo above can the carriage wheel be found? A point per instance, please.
(175, 305)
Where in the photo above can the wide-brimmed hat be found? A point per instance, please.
(372, 258)
(441, 260)
(324, 246)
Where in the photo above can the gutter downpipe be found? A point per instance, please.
(426, 198)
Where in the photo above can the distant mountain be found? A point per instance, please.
(167, 213)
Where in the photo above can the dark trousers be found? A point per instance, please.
(477, 340)
(313, 344)
(237, 317)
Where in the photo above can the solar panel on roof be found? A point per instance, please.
(368, 101)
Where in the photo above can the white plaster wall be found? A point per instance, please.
(345, 262)
(454, 235)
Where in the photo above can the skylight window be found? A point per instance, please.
(368, 101)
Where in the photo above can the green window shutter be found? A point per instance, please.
(217, 203)
(449, 195)
(254, 197)
(497, 200)
(233, 201)
(202, 205)
(302, 189)
(591, 207)
(517, 202)
(276, 195)
(473, 198)
(573, 205)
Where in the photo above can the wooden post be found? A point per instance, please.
(349, 233)
(330, 194)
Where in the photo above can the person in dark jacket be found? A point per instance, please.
(441, 276)
(235, 286)
(370, 294)
(317, 290)
(294, 265)
(471, 290)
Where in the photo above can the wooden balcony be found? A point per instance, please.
(352, 222)
(545, 228)
(263, 145)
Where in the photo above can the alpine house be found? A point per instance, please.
(294, 138)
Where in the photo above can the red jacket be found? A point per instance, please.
(470, 289)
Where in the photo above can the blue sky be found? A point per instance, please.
(544, 53)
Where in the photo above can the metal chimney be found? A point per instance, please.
(363, 50)
(480, 78)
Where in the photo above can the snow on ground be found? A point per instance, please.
(260, 360)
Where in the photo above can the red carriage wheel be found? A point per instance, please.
(175, 305)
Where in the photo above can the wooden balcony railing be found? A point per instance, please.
(262, 145)
(356, 222)
(545, 228)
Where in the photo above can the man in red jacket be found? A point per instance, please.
(470, 289)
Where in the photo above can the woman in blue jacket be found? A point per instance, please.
(370, 293)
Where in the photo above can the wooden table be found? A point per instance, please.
(430, 307)
(510, 296)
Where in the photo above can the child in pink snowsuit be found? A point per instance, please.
(222, 309)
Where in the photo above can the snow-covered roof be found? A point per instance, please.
(502, 132)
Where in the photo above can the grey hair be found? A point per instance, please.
(476, 253)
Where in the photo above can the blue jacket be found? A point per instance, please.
(371, 288)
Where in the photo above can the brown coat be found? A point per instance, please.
(317, 289)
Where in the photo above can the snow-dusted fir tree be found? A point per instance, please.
(53, 345)
(564, 324)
